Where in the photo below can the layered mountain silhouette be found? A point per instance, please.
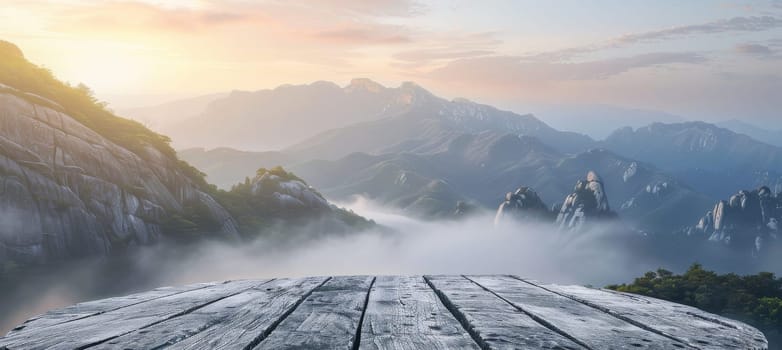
(713, 160)
(430, 154)
(480, 169)
(769, 136)
(599, 121)
(315, 120)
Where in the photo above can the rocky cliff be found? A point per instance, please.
(588, 202)
(523, 204)
(69, 190)
(748, 221)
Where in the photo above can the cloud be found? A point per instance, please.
(131, 16)
(437, 54)
(345, 22)
(735, 24)
(512, 70)
(754, 50)
(380, 8)
(438, 48)
(367, 35)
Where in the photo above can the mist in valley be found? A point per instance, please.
(603, 254)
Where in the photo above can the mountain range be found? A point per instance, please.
(277, 119)
(435, 153)
(768, 135)
(713, 160)
(95, 183)
(599, 121)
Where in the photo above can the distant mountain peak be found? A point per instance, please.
(411, 86)
(364, 84)
(463, 100)
(412, 93)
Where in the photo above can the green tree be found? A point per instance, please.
(755, 299)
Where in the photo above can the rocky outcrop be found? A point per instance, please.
(588, 201)
(749, 220)
(287, 192)
(67, 191)
(279, 200)
(524, 204)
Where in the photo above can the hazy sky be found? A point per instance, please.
(708, 59)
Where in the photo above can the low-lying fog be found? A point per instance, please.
(602, 255)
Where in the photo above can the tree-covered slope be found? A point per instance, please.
(755, 299)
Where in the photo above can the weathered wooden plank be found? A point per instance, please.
(328, 319)
(93, 330)
(254, 322)
(231, 323)
(92, 308)
(689, 325)
(496, 312)
(405, 313)
(589, 326)
(492, 322)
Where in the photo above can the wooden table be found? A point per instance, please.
(383, 312)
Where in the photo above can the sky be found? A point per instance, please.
(702, 59)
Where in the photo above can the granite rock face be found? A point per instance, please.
(749, 220)
(66, 191)
(588, 201)
(523, 204)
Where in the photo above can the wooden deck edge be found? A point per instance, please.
(531, 315)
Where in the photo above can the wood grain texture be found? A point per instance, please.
(328, 319)
(230, 323)
(588, 326)
(405, 313)
(92, 308)
(494, 323)
(94, 330)
(691, 326)
(390, 312)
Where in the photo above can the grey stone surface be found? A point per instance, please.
(66, 191)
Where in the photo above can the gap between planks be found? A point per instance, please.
(609, 312)
(458, 315)
(87, 346)
(534, 317)
(442, 298)
(357, 338)
(282, 317)
(22, 327)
